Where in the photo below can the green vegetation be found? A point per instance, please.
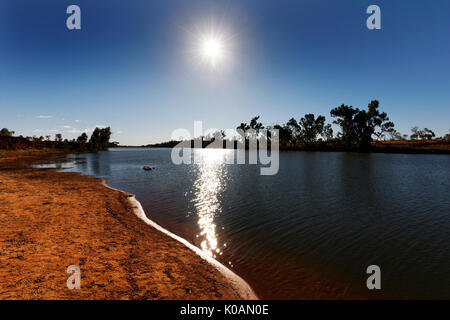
(6, 133)
(99, 141)
(447, 137)
(358, 127)
(360, 130)
(425, 134)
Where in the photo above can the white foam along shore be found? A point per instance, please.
(239, 284)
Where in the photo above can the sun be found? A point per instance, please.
(212, 49)
(210, 46)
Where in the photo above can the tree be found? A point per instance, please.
(242, 128)
(100, 138)
(447, 136)
(388, 127)
(394, 134)
(368, 121)
(416, 133)
(311, 127)
(425, 134)
(82, 139)
(216, 138)
(428, 134)
(105, 135)
(327, 133)
(58, 137)
(379, 135)
(94, 141)
(254, 125)
(284, 133)
(6, 133)
(360, 125)
(295, 129)
(345, 115)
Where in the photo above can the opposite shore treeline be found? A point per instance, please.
(99, 140)
(368, 130)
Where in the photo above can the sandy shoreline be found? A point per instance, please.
(52, 219)
(239, 284)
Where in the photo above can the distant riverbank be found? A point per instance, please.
(52, 219)
(401, 146)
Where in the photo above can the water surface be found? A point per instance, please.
(311, 230)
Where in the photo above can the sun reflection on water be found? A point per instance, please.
(210, 183)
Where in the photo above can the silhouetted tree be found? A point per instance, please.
(6, 133)
(345, 115)
(295, 129)
(416, 133)
(58, 137)
(388, 128)
(311, 127)
(327, 133)
(360, 125)
(394, 134)
(242, 128)
(83, 138)
(425, 134)
(254, 125)
(447, 136)
(100, 138)
(367, 121)
(216, 138)
(285, 134)
(428, 134)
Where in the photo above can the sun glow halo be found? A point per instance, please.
(211, 46)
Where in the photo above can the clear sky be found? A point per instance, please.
(136, 65)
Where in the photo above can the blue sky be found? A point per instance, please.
(133, 66)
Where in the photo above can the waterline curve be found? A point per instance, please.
(238, 283)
